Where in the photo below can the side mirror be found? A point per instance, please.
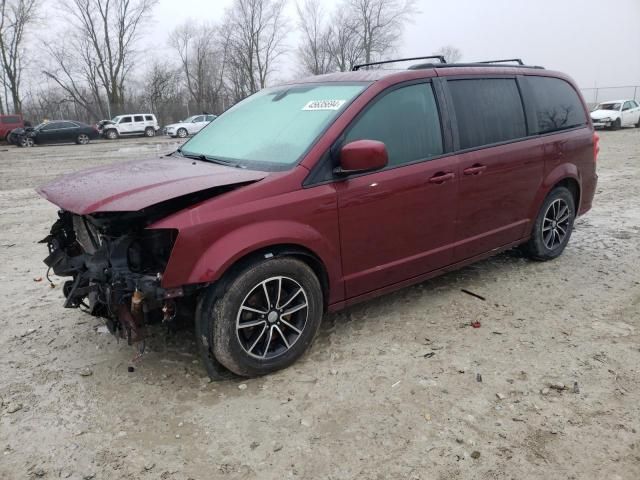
(362, 156)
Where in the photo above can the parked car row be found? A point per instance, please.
(15, 131)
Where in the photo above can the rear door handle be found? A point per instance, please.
(442, 177)
(474, 170)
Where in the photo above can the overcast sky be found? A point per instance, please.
(595, 41)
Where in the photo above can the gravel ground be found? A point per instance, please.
(389, 389)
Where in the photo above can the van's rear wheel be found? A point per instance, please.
(265, 318)
(553, 226)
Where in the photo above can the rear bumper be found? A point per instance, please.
(588, 192)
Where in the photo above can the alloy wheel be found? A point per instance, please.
(26, 142)
(182, 133)
(272, 317)
(555, 225)
(83, 139)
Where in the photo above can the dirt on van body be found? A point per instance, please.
(402, 386)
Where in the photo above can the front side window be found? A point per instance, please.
(198, 119)
(125, 120)
(273, 128)
(210, 118)
(406, 120)
(557, 104)
(634, 104)
(488, 111)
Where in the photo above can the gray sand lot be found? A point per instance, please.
(389, 389)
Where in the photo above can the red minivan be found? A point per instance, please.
(311, 196)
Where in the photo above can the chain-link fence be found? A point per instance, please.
(597, 95)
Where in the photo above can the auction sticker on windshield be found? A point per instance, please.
(323, 105)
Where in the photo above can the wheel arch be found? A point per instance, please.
(299, 252)
(565, 175)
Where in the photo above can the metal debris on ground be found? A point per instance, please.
(469, 292)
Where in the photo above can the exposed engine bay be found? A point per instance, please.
(116, 266)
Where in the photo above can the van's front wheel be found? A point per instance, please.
(553, 226)
(266, 317)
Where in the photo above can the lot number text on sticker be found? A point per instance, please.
(323, 105)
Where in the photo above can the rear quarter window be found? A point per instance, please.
(556, 104)
(148, 118)
(488, 111)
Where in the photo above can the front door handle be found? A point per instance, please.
(442, 177)
(475, 169)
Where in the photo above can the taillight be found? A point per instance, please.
(596, 146)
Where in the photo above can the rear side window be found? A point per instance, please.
(488, 110)
(138, 118)
(406, 120)
(9, 119)
(557, 105)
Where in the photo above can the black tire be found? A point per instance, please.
(149, 132)
(544, 245)
(83, 139)
(638, 124)
(616, 125)
(111, 134)
(182, 133)
(277, 342)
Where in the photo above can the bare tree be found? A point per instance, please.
(202, 61)
(314, 50)
(15, 17)
(105, 32)
(450, 53)
(345, 47)
(254, 31)
(379, 24)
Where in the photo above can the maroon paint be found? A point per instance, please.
(375, 232)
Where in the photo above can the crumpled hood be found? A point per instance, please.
(132, 186)
(600, 114)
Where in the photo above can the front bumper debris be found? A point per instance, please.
(116, 268)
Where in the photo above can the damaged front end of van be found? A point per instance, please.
(105, 242)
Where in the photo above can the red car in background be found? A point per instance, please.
(8, 123)
(311, 196)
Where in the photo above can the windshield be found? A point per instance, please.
(608, 106)
(115, 119)
(273, 128)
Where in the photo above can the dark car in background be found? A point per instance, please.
(58, 131)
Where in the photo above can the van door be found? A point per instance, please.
(398, 223)
(500, 170)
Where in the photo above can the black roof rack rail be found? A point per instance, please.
(420, 66)
(508, 60)
(439, 57)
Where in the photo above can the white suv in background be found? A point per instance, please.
(131, 124)
(616, 114)
(189, 126)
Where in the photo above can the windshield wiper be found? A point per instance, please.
(208, 158)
